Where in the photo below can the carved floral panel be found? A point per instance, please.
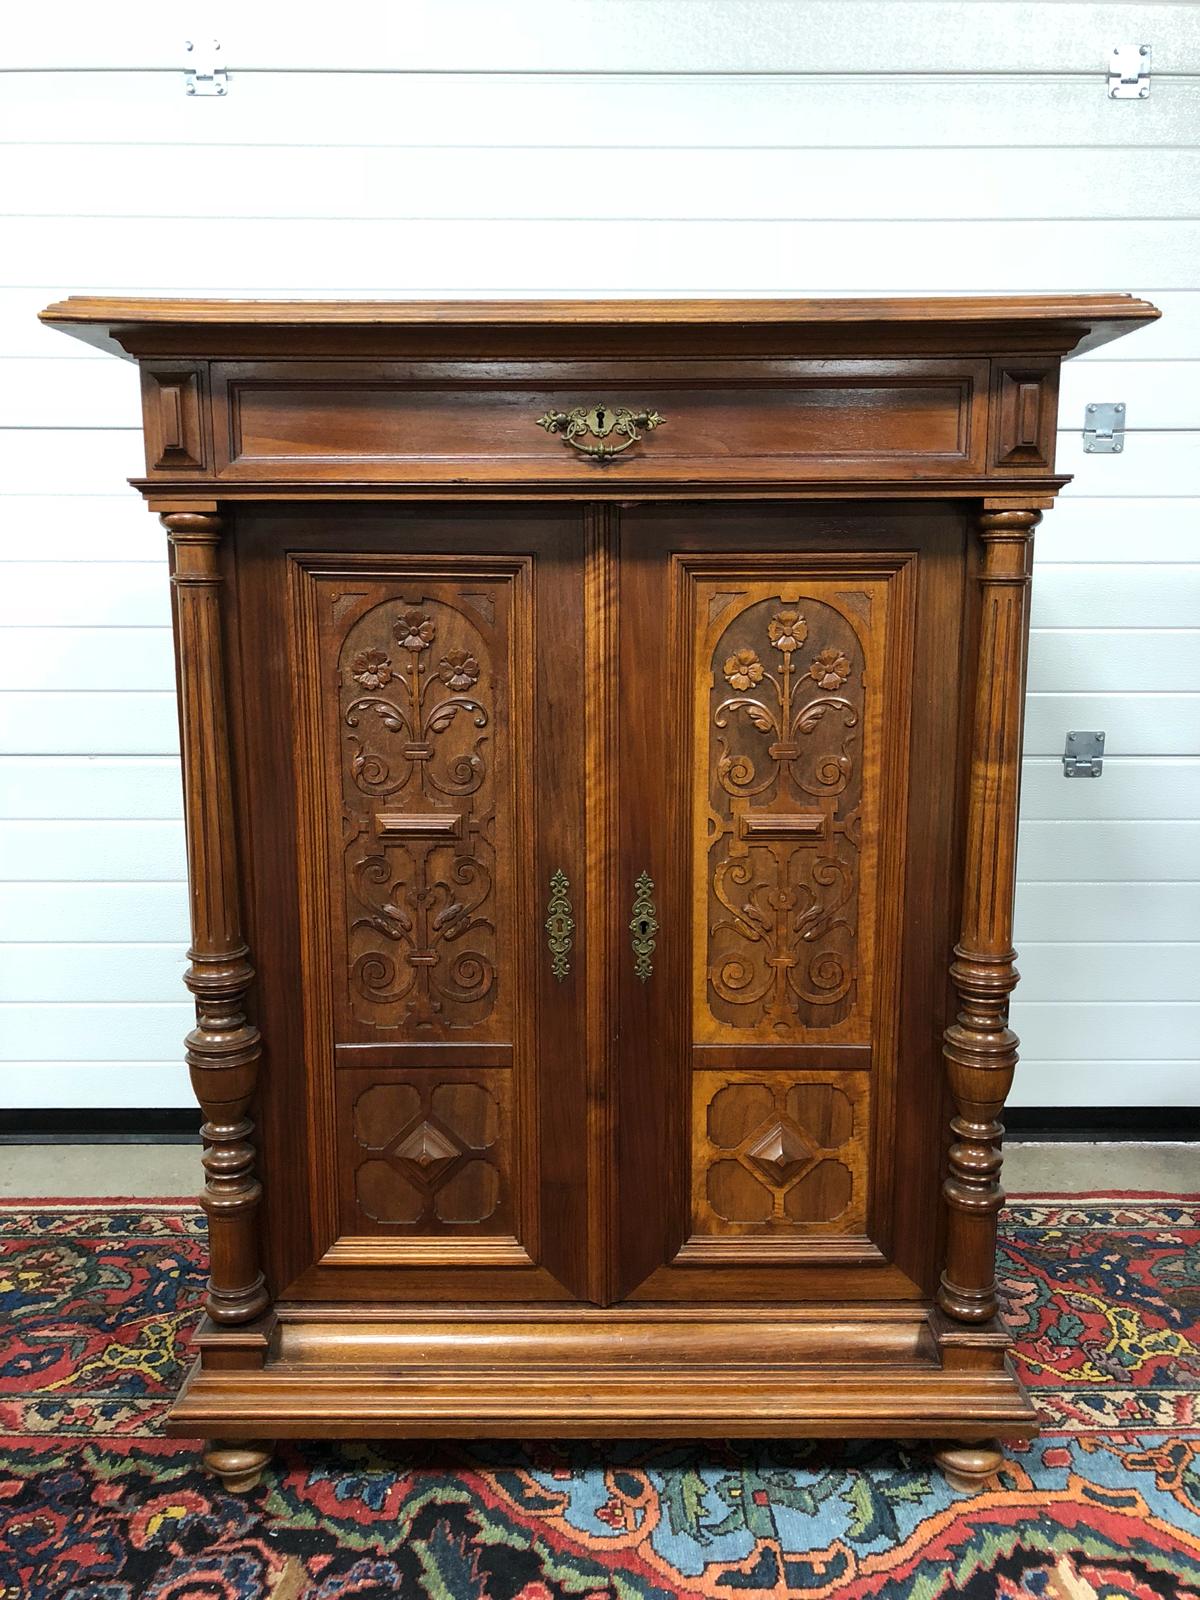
(786, 739)
(424, 776)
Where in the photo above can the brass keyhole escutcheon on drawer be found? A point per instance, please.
(602, 422)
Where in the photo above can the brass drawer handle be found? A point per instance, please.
(560, 924)
(602, 422)
(643, 925)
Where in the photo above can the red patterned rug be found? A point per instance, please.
(1103, 1293)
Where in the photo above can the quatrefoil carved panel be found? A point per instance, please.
(434, 1153)
(780, 1152)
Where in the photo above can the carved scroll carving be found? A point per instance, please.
(223, 1050)
(419, 721)
(785, 783)
(980, 1048)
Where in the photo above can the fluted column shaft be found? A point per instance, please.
(980, 1048)
(223, 1049)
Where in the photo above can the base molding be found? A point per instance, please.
(670, 1372)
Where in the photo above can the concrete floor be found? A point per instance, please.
(153, 1171)
(1076, 1168)
(159, 1171)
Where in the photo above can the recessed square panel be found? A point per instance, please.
(780, 1153)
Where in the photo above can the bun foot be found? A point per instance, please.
(239, 1466)
(968, 1466)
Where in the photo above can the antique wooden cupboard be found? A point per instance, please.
(601, 730)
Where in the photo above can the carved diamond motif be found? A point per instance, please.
(779, 1153)
(428, 1151)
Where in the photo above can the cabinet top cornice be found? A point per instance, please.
(1062, 323)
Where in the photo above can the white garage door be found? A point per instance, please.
(603, 147)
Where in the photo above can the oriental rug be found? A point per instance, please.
(98, 1302)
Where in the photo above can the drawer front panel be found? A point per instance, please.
(771, 422)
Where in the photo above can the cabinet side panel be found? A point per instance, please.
(263, 739)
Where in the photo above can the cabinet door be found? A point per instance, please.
(411, 816)
(789, 688)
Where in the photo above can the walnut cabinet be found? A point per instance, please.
(601, 731)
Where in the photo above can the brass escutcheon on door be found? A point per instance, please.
(603, 422)
(560, 924)
(643, 925)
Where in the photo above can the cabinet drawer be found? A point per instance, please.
(700, 422)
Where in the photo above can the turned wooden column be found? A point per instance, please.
(980, 1047)
(223, 1049)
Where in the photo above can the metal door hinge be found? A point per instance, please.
(1104, 428)
(1129, 72)
(1083, 755)
(205, 70)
